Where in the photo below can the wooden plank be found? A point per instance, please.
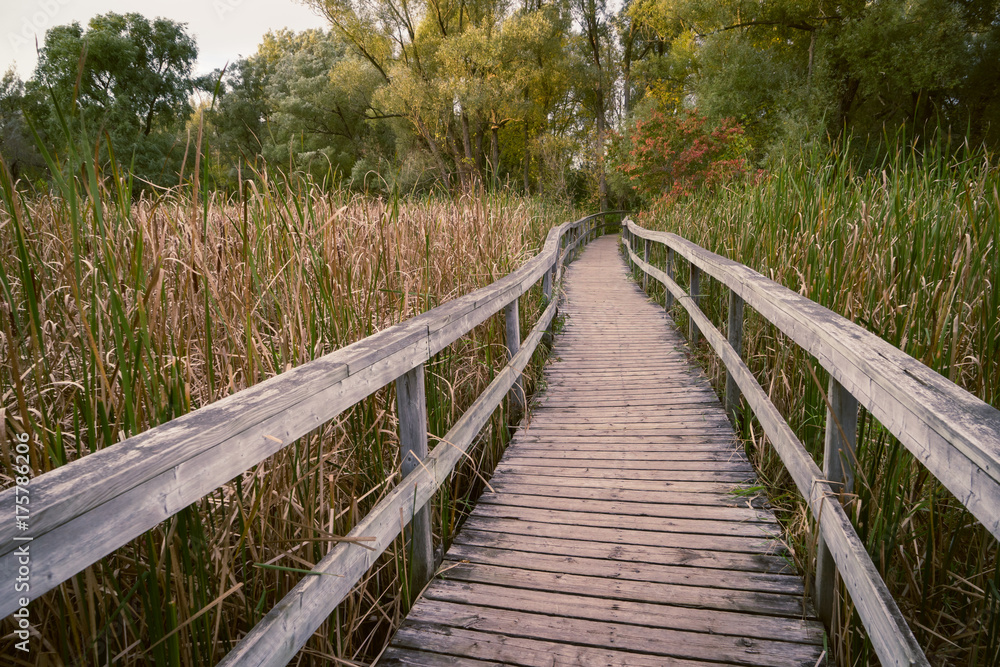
(404, 657)
(665, 509)
(612, 522)
(286, 628)
(659, 475)
(633, 613)
(103, 500)
(411, 408)
(738, 544)
(540, 476)
(629, 463)
(706, 558)
(556, 451)
(891, 636)
(787, 584)
(663, 642)
(699, 526)
(953, 433)
(523, 486)
(514, 650)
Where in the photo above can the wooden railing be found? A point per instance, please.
(86, 509)
(950, 431)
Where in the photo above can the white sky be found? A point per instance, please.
(223, 29)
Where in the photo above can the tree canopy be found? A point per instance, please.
(463, 93)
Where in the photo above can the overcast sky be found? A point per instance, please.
(224, 29)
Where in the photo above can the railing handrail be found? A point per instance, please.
(953, 433)
(84, 510)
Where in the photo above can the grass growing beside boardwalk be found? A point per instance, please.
(119, 315)
(910, 252)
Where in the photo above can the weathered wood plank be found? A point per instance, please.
(663, 642)
(953, 433)
(102, 501)
(787, 584)
(635, 613)
(514, 650)
(612, 551)
(891, 636)
(612, 523)
(411, 409)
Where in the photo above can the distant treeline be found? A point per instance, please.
(453, 93)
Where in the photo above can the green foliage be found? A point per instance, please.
(17, 146)
(792, 71)
(124, 76)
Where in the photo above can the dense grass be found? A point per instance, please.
(909, 251)
(120, 314)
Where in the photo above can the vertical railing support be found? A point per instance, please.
(669, 300)
(628, 245)
(513, 340)
(645, 258)
(411, 407)
(838, 468)
(695, 293)
(547, 285)
(735, 331)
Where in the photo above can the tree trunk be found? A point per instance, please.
(467, 144)
(602, 177)
(495, 151)
(527, 161)
(435, 152)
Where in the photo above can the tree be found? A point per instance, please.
(592, 16)
(792, 70)
(125, 75)
(17, 146)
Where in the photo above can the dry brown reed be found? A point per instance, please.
(909, 251)
(119, 315)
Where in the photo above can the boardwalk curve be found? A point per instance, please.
(615, 532)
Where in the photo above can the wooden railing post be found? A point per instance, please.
(695, 293)
(547, 285)
(669, 301)
(838, 469)
(735, 331)
(628, 243)
(411, 407)
(645, 258)
(513, 340)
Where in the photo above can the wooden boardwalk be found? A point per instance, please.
(615, 533)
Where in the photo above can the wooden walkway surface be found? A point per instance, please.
(613, 535)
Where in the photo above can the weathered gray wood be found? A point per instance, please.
(606, 507)
(287, 627)
(838, 468)
(735, 335)
(645, 257)
(623, 611)
(669, 297)
(613, 552)
(699, 596)
(512, 339)
(102, 501)
(411, 407)
(890, 635)
(514, 650)
(663, 643)
(695, 283)
(953, 433)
